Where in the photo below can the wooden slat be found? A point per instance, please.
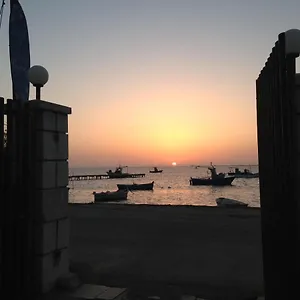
(2, 196)
(9, 228)
(29, 179)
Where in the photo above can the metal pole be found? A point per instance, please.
(38, 92)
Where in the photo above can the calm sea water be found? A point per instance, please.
(170, 187)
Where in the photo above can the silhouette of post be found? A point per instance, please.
(34, 198)
(2, 162)
(51, 194)
(278, 108)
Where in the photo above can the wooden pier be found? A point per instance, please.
(101, 176)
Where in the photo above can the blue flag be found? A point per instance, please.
(19, 51)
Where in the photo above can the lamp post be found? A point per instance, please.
(38, 76)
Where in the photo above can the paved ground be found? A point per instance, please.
(206, 251)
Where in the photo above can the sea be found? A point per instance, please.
(171, 187)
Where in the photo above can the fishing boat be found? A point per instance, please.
(242, 174)
(118, 173)
(136, 186)
(118, 195)
(227, 202)
(155, 170)
(212, 181)
(215, 179)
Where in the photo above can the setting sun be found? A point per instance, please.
(174, 163)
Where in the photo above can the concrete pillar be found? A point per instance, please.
(51, 193)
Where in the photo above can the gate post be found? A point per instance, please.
(278, 134)
(49, 125)
(34, 171)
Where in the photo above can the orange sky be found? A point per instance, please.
(152, 82)
(165, 122)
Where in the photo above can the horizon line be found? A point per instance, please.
(163, 165)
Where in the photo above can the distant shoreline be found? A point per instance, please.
(164, 166)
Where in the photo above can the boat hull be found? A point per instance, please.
(159, 171)
(119, 195)
(136, 187)
(227, 202)
(222, 181)
(252, 175)
(118, 175)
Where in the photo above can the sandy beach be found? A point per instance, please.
(209, 251)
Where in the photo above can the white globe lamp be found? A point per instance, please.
(38, 76)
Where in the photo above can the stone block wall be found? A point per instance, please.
(51, 197)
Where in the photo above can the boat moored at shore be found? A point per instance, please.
(136, 186)
(118, 195)
(228, 202)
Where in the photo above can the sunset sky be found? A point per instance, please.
(151, 82)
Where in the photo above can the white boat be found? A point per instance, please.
(110, 196)
(227, 202)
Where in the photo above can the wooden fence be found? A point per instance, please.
(17, 201)
(278, 139)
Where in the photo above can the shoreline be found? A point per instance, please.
(92, 203)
